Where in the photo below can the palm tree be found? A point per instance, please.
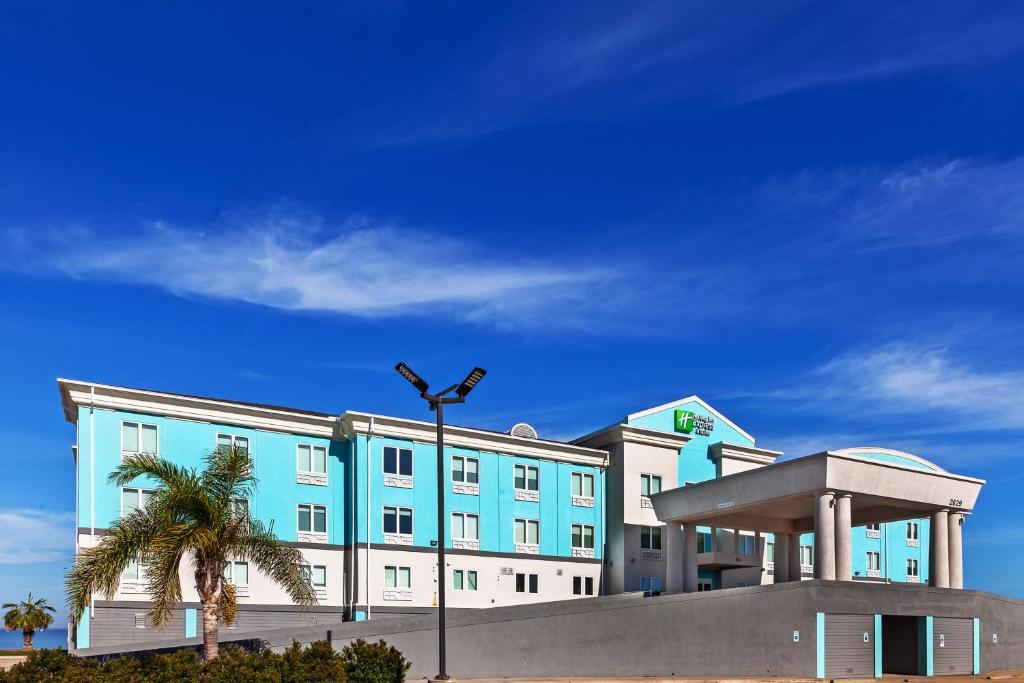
(28, 616)
(200, 516)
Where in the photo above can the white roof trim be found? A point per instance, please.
(856, 451)
(688, 399)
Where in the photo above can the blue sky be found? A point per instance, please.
(810, 215)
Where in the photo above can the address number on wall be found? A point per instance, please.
(956, 502)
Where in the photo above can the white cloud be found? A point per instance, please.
(31, 536)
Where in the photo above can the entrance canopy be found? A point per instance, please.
(781, 497)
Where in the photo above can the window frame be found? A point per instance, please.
(398, 520)
(464, 516)
(915, 563)
(526, 529)
(650, 529)
(741, 544)
(138, 445)
(874, 555)
(138, 495)
(398, 461)
(312, 459)
(650, 479)
(228, 573)
(312, 518)
(234, 438)
(583, 476)
(526, 477)
(398, 572)
(465, 459)
(916, 526)
(583, 537)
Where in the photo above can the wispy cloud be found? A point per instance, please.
(31, 536)
(599, 61)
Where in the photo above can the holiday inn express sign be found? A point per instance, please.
(689, 422)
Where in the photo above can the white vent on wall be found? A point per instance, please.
(140, 620)
(507, 571)
(558, 572)
(523, 430)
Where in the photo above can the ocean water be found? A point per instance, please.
(51, 637)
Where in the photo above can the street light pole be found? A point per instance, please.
(437, 403)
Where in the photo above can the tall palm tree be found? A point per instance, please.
(199, 516)
(28, 616)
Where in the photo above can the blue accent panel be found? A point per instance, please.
(360, 615)
(929, 646)
(190, 622)
(82, 632)
(819, 644)
(896, 460)
(878, 646)
(977, 646)
(893, 550)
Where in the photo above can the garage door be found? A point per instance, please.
(849, 645)
(953, 646)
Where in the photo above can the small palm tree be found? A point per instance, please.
(200, 516)
(28, 616)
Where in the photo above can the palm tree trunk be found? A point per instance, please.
(26, 639)
(210, 647)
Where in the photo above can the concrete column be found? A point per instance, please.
(673, 558)
(714, 539)
(844, 544)
(794, 557)
(782, 551)
(956, 550)
(938, 570)
(824, 536)
(690, 558)
(735, 541)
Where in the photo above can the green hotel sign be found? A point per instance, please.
(689, 422)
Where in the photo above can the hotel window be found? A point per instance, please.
(397, 520)
(226, 441)
(874, 530)
(806, 556)
(873, 562)
(313, 519)
(398, 461)
(704, 542)
(465, 526)
(465, 470)
(746, 545)
(132, 571)
(769, 551)
(527, 531)
(236, 573)
(912, 569)
(315, 574)
(583, 536)
(134, 499)
(464, 580)
(397, 577)
(650, 537)
(527, 478)
(582, 585)
(524, 581)
(650, 583)
(138, 438)
(311, 459)
(650, 484)
(913, 532)
(582, 485)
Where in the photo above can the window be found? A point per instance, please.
(132, 572)
(524, 581)
(650, 537)
(873, 562)
(134, 499)
(582, 585)
(583, 485)
(527, 531)
(913, 531)
(313, 518)
(311, 459)
(912, 569)
(316, 574)
(527, 478)
(398, 461)
(236, 573)
(650, 583)
(769, 551)
(465, 470)
(745, 545)
(397, 577)
(397, 520)
(806, 556)
(704, 585)
(650, 484)
(138, 438)
(583, 536)
(226, 441)
(874, 530)
(704, 542)
(465, 526)
(464, 580)
(874, 527)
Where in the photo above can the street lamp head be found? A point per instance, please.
(414, 379)
(475, 375)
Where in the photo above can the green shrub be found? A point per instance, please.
(373, 663)
(235, 664)
(318, 662)
(52, 665)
